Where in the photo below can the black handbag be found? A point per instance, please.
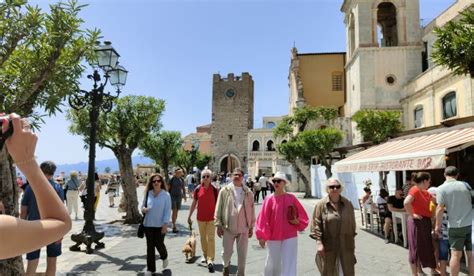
(141, 227)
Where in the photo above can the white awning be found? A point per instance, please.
(423, 152)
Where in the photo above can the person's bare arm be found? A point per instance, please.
(191, 210)
(18, 236)
(409, 208)
(439, 217)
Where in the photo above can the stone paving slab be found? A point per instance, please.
(125, 254)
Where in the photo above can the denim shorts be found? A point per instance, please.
(443, 250)
(53, 250)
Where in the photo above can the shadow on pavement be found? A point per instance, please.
(220, 268)
(107, 259)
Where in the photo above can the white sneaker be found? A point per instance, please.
(204, 259)
(165, 264)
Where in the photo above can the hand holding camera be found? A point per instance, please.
(18, 137)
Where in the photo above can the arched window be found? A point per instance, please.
(284, 141)
(418, 116)
(270, 125)
(449, 105)
(255, 146)
(270, 146)
(337, 79)
(387, 20)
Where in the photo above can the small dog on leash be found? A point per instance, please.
(189, 248)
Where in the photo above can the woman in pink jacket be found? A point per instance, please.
(278, 222)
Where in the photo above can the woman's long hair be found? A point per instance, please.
(149, 185)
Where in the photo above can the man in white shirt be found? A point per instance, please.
(235, 218)
(263, 180)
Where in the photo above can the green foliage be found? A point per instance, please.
(183, 160)
(107, 170)
(284, 128)
(125, 127)
(305, 144)
(188, 159)
(454, 47)
(309, 143)
(202, 160)
(378, 125)
(163, 147)
(40, 55)
(301, 117)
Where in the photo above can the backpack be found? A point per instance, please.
(214, 189)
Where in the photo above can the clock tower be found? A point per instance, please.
(232, 118)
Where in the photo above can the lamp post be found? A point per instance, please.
(96, 101)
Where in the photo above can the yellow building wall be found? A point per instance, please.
(316, 72)
(433, 106)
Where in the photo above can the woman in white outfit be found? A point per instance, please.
(72, 194)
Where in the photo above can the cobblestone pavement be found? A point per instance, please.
(125, 254)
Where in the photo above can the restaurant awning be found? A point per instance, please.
(424, 152)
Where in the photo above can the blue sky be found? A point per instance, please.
(172, 49)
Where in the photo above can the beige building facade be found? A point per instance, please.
(316, 79)
(201, 139)
(389, 65)
(437, 95)
(262, 152)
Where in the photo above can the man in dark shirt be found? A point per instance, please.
(29, 211)
(177, 192)
(395, 204)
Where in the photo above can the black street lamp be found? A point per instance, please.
(95, 101)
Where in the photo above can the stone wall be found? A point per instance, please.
(232, 118)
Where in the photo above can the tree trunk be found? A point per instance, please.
(307, 186)
(165, 172)
(383, 180)
(129, 188)
(9, 197)
(327, 165)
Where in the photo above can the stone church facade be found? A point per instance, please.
(232, 119)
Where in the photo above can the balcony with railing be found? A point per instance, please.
(263, 154)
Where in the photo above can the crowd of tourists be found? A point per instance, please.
(439, 223)
(438, 219)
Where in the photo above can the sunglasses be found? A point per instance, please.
(277, 181)
(334, 187)
(206, 176)
(156, 181)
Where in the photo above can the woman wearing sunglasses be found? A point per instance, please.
(278, 223)
(157, 211)
(333, 228)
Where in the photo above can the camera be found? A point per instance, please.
(4, 135)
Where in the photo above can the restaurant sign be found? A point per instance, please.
(406, 164)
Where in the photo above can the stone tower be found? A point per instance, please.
(384, 52)
(232, 118)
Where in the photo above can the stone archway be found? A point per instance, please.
(228, 163)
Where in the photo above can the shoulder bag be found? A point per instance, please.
(141, 227)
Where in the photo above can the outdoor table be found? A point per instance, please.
(402, 216)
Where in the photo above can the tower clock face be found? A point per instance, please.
(230, 93)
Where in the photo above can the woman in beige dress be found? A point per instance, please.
(333, 228)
